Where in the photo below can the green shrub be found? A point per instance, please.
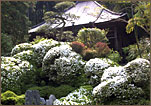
(77, 47)
(6, 44)
(12, 71)
(59, 91)
(37, 40)
(132, 53)
(89, 54)
(114, 56)
(90, 36)
(10, 98)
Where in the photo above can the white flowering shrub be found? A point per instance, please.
(11, 71)
(21, 47)
(124, 84)
(81, 96)
(62, 64)
(94, 69)
(138, 71)
(41, 48)
(24, 55)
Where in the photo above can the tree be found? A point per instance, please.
(141, 18)
(58, 16)
(14, 20)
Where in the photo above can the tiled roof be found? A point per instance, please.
(88, 11)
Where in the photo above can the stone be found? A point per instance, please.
(42, 101)
(52, 98)
(32, 97)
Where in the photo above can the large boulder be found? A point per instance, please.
(123, 85)
(62, 65)
(81, 96)
(94, 69)
(11, 72)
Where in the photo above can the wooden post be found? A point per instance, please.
(116, 39)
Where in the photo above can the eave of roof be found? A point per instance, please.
(89, 11)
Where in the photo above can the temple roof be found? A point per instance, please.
(88, 11)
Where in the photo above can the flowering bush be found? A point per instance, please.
(21, 47)
(102, 49)
(89, 54)
(81, 96)
(62, 64)
(11, 72)
(41, 48)
(77, 47)
(123, 83)
(25, 55)
(94, 69)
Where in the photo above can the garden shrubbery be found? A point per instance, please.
(132, 53)
(60, 91)
(10, 98)
(59, 68)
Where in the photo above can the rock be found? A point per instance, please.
(62, 64)
(32, 97)
(42, 101)
(52, 98)
(124, 84)
(94, 69)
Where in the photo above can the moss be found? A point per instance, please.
(59, 91)
(10, 98)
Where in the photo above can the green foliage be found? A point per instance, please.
(60, 91)
(10, 98)
(58, 18)
(14, 20)
(78, 47)
(64, 5)
(37, 40)
(89, 54)
(67, 36)
(12, 71)
(132, 53)
(90, 36)
(6, 44)
(114, 56)
(141, 17)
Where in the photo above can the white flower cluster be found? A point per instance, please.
(41, 48)
(21, 47)
(121, 82)
(11, 71)
(138, 70)
(62, 64)
(94, 69)
(25, 55)
(80, 96)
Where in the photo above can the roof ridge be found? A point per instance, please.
(106, 8)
